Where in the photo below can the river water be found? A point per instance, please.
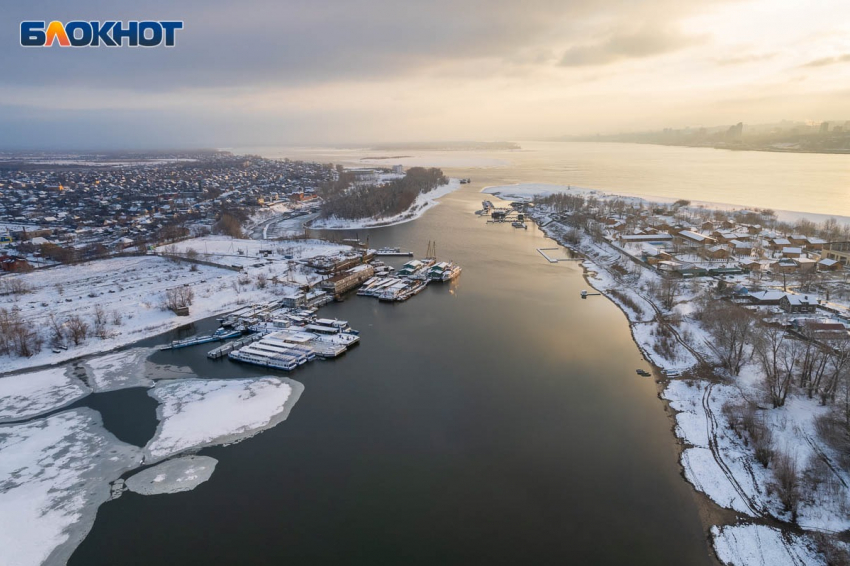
(790, 183)
(497, 419)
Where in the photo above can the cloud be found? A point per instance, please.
(647, 42)
(824, 61)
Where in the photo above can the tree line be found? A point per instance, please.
(343, 199)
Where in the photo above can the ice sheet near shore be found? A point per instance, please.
(198, 412)
(128, 368)
(54, 474)
(28, 395)
(760, 545)
(173, 476)
(423, 203)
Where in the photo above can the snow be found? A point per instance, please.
(760, 545)
(703, 471)
(173, 476)
(54, 474)
(197, 412)
(28, 395)
(423, 203)
(527, 191)
(135, 288)
(119, 370)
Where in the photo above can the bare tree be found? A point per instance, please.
(787, 484)
(731, 328)
(777, 356)
(57, 330)
(78, 329)
(178, 297)
(116, 317)
(99, 320)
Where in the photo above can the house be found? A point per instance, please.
(766, 298)
(806, 264)
(813, 243)
(784, 266)
(779, 243)
(797, 303)
(798, 240)
(716, 252)
(695, 239)
(829, 265)
(750, 264)
(791, 252)
(741, 247)
(14, 264)
(839, 251)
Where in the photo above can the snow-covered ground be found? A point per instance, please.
(28, 395)
(423, 203)
(718, 460)
(173, 476)
(527, 191)
(131, 291)
(54, 474)
(760, 545)
(198, 412)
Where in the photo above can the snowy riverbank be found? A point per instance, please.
(423, 203)
(717, 460)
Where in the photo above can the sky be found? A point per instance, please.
(266, 72)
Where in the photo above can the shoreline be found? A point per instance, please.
(714, 516)
(423, 203)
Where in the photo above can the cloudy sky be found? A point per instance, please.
(266, 72)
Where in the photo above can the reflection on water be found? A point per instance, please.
(496, 419)
(801, 182)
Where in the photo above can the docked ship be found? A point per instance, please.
(444, 271)
(393, 252)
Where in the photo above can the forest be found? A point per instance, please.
(347, 200)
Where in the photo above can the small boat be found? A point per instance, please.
(519, 225)
(583, 294)
(643, 372)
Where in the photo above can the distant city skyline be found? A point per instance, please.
(268, 73)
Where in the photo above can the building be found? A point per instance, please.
(839, 251)
(798, 303)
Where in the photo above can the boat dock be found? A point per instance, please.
(222, 351)
(217, 336)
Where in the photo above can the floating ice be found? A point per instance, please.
(172, 476)
(202, 412)
(54, 474)
(27, 395)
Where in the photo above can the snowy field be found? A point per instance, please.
(197, 412)
(54, 474)
(131, 291)
(527, 191)
(28, 395)
(420, 206)
(759, 545)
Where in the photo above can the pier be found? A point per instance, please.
(550, 259)
(222, 351)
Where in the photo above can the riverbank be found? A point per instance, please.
(718, 462)
(423, 203)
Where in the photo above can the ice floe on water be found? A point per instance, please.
(760, 545)
(127, 368)
(54, 474)
(172, 476)
(203, 412)
(27, 395)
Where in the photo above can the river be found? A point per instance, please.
(497, 419)
(793, 184)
